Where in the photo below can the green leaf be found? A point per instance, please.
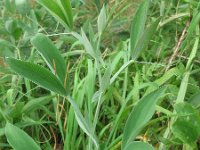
(54, 8)
(37, 74)
(144, 40)
(51, 55)
(140, 115)
(105, 81)
(102, 20)
(187, 125)
(18, 139)
(66, 7)
(160, 81)
(85, 42)
(138, 23)
(138, 146)
(185, 132)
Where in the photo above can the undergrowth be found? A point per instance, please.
(99, 74)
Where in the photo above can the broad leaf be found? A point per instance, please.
(140, 115)
(37, 74)
(144, 40)
(138, 23)
(18, 139)
(187, 125)
(51, 55)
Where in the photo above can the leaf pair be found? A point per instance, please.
(61, 10)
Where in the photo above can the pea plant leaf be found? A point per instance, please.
(187, 125)
(37, 74)
(51, 55)
(19, 139)
(140, 115)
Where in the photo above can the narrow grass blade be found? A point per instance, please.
(183, 88)
(140, 115)
(37, 74)
(139, 146)
(18, 139)
(51, 55)
(85, 126)
(191, 29)
(138, 23)
(166, 77)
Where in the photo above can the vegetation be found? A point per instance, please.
(99, 74)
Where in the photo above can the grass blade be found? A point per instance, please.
(85, 126)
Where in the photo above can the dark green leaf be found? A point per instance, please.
(37, 74)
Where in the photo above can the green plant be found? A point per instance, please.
(83, 80)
